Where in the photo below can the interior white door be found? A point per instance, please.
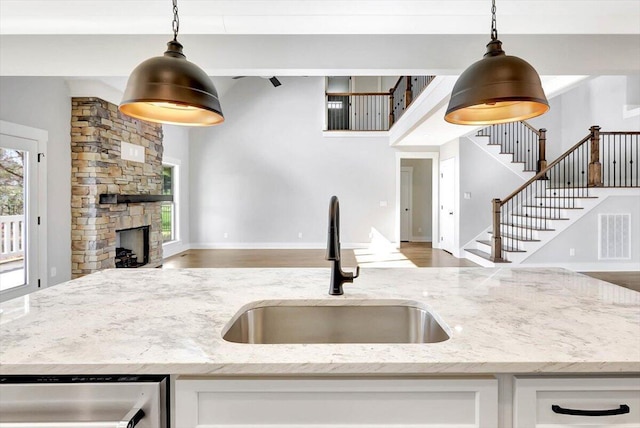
(447, 203)
(18, 216)
(406, 184)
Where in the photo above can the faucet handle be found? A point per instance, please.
(357, 272)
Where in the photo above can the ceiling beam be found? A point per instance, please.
(287, 55)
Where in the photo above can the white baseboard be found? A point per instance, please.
(585, 267)
(173, 248)
(271, 245)
(420, 239)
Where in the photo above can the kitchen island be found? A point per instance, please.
(523, 321)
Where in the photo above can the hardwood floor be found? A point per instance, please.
(253, 259)
(629, 280)
(409, 255)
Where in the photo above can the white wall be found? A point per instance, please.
(365, 84)
(44, 103)
(176, 151)
(388, 82)
(598, 101)
(422, 205)
(484, 178)
(633, 90)
(338, 84)
(267, 174)
(583, 238)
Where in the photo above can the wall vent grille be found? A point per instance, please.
(614, 236)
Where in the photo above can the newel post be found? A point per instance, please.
(496, 241)
(542, 149)
(595, 167)
(408, 93)
(391, 115)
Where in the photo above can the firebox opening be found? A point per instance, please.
(132, 247)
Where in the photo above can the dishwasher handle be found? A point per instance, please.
(130, 420)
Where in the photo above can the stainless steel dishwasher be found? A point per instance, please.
(84, 401)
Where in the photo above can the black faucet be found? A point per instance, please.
(338, 277)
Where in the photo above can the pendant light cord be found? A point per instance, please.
(176, 20)
(494, 29)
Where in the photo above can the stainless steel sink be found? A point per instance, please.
(334, 322)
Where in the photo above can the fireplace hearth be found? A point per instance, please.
(132, 247)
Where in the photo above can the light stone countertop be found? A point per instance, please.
(168, 321)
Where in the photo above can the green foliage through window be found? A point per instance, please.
(11, 181)
(168, 208)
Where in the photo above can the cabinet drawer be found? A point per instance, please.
(337, 403)
(577, 402)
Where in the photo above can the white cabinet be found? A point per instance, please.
(333, 403)
(576, 402)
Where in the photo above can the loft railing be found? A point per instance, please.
(363, 111)
(527, 144)
(11, 237)
(373, 111)
(601, 159)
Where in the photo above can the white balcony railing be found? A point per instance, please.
(11, 237)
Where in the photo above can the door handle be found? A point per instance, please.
(450, 212)
(406, 209)
(623, 409)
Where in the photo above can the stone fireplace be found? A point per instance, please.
(97, 168)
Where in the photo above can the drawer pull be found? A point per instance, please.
(612, 412)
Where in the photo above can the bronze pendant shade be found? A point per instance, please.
(499, 88)
(169, 89)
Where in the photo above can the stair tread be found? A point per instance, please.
(520, 226)
(566, 197)
(514, 237)
(484, 255)
(553, 208)
(506, 248)
(541, 218)
(569, 188)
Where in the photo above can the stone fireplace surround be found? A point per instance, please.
(97, 130)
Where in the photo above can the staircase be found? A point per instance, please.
(557, 195)
(517, 145)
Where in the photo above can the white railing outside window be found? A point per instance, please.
(11, 237)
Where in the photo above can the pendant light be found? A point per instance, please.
(498, 88)
(169, 89)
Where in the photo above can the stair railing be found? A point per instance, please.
(527, 144)
(568, 178)
(403, 93)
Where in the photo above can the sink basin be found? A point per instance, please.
(334, 322)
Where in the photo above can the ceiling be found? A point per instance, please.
(317, 37)
(319, 17)
(106, 39)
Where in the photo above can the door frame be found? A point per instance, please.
(408, 169)
(435, 192)
(41, 137)
(454, 249)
